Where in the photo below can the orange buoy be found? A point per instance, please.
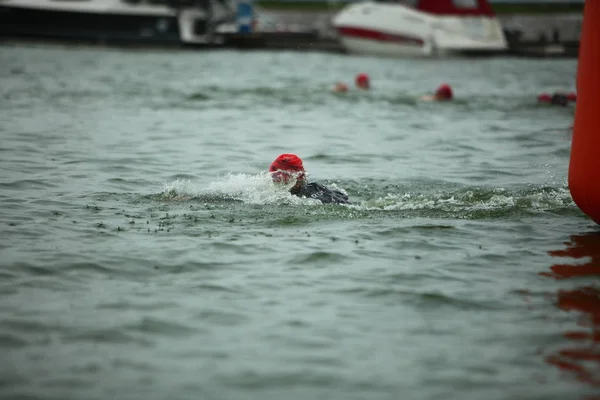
(584, 164)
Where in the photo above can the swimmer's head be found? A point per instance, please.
(362, 81)
(444, 92)
(286, 168)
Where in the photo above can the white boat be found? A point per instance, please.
(174, 22)
(426, 28)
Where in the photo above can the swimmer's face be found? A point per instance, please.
(288, 177)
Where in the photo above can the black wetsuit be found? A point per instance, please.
(317, 191)
(559, 99)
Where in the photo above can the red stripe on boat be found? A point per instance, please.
(379, 36)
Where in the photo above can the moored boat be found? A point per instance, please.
(425, 28)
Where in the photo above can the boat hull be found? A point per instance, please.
(16, 22)
(363, 46)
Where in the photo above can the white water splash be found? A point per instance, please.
(179, 190)
(534, 199)
(250, 189)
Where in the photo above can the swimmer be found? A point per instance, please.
(289, 167)
(363, 81)
(559, 99)
(443, 93)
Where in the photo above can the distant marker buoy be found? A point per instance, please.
(584, 164)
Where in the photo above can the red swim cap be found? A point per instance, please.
(288, 165)
(362, 80)
(572, 96)
(544, 98)
(287, 162)
(444, 92)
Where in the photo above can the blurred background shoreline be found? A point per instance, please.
(531, 29)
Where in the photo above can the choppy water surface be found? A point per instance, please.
(145, 254)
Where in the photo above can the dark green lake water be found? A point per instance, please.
(145, 254)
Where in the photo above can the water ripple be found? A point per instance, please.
(145, 252)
